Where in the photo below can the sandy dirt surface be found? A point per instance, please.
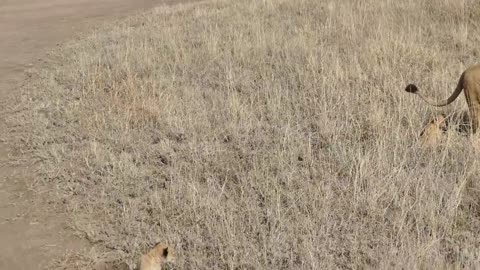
(31, 232)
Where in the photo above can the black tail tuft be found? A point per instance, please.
(411, 88)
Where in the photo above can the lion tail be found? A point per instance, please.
(412, 88)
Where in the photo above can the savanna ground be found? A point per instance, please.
(32, 231)
(263, 135)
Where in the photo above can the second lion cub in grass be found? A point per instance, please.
(432, 133)
(157, 258)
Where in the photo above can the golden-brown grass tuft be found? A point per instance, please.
(266, 135)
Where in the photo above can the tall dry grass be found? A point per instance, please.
(265, 135)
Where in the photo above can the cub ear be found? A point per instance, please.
(443, 122)
(411, 88)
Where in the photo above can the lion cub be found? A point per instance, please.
(433, 132)
(156, 258)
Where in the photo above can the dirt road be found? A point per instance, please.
(31, 233)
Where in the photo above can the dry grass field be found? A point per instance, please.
(263, 135)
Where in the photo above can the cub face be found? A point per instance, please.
(432, 133)
(157, 257)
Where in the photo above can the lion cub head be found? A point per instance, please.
(433, 132)
(157, 258)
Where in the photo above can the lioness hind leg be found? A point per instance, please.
(474, 117)
(473, 102)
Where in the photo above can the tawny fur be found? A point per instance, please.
(156, 258)
(469, 82)
(433, 132)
